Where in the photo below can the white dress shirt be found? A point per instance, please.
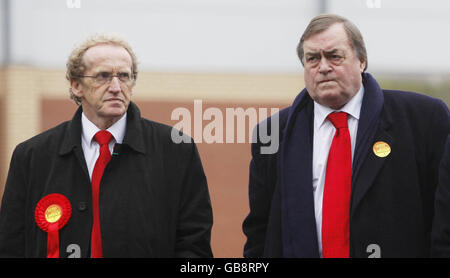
(91, 148)
(323, 136)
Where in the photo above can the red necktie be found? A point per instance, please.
(336, 195)
(102, 137)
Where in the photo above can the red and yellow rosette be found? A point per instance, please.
(51, 214)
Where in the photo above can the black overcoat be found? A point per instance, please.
(392, 198)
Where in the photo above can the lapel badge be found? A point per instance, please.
(381, 149)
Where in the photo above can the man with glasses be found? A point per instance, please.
(108, 183)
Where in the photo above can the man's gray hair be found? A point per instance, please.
(322, 22)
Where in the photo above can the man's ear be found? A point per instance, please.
(76, 87)
(362, 66)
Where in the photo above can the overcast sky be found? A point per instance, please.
(230, 35)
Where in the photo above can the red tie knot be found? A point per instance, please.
(103, 137)
(338, 119)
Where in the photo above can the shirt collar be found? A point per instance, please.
(89, 129)
(353, 108)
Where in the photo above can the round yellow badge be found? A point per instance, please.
(381, 149)
(53, 213)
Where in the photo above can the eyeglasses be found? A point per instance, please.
(105, 77)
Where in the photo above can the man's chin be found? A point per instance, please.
(332, 99)
(114, 112)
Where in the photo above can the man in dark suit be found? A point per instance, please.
(108, 183)
(357, 166)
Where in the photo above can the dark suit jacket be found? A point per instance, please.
(392, 197)
(154, 199)
(441, 223)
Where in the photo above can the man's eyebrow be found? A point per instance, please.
(332, 51)
(311, 53)
(314, 53)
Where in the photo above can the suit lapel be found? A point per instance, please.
(72, 141)
(369, 170)
(366, 164)
(298, 220)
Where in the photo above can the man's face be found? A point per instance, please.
(332, 68)
(104, 104)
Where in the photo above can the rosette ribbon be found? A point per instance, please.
(51, 214)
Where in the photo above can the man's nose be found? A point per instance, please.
(114, 85)
(324, 65)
